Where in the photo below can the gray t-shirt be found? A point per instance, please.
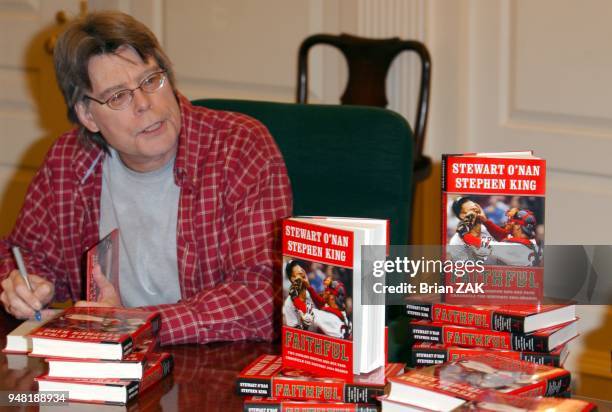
(144, 207)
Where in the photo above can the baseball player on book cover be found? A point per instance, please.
(304, 309)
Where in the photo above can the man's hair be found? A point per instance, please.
(93, 35)
(458, 204)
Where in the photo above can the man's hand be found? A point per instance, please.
(19, 301)
(108, 295)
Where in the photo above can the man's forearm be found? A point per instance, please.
(229, 312)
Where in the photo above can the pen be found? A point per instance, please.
(24, 275)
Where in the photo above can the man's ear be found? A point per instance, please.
(85, 117)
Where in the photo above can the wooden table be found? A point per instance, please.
(203, 379)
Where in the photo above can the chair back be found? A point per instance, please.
(368, 62)
(347, 161)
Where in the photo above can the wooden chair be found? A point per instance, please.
(368, 63)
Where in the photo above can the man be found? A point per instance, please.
(197, 194)
(470, 241)
(519, 246)
(304, 308)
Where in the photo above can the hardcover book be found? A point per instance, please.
(266, 377)
(493, 402)
(426, 354)
(544, 340)
(389, 405)
(106, 254)
(18, 341)
(450, 385)
(131, 367)
(326, 328)
(112, 391)
(259, 404)
(493, 213)
(515, 318)
(94, 332)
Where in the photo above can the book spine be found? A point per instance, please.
(421, 356)
(461, 316)
(127, 346)
(530, 342)
(132, 390)
(419, 311)
(552, 386)
(267, 406)
(254, 387)
(541, 358)
(426, 333)
(291, 388)
(261, 407)
(443, 173)
(428, 356)
(463, 336)
(91, 288)
(362, 394)
(560, 384)
(507, 323)
(156, 324)
(156, 373)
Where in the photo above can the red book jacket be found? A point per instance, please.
(493, 212)
(259, 404)
(266, 377)
(513, 318)
(493, 402)
(123, 326)
(426, 354)
(158, 366)
(473, 377)
(544, 340)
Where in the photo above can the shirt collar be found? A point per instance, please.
(186, 166)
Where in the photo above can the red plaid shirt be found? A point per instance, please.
(234, 192)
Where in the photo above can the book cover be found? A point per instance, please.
(450, 385)
(514, 318)
(106, 254)
(493, 212)
(18, 341)
(494, 402)
(544, 340)
(260, 404)
(426, 354)
(326, 329)
(94, 332)
(265, 376)
(110, 390)
(131, 367)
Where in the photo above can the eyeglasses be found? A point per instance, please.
(121, 99)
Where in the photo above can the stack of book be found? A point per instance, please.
(266, 383)
(489, 343)
(98, 355)
(482, 383)
(333, 344)
(443, 332)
